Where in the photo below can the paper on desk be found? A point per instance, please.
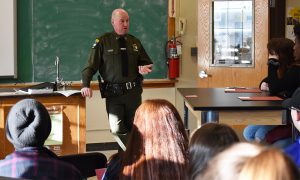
(242, 90)
(68, 93)
(191, 96)
(35, 91)
(261, 98)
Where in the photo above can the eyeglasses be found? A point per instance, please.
(293, 108)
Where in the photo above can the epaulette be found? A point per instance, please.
(132, 36)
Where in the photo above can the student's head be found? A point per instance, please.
(293, 104)
(28, 124)
(206, 142)
(271, 164)
(228, 164)
(157, 145)
(297, 42)
(282, 47)
(120, 21)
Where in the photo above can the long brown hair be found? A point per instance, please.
(283, 47)
(157, 146)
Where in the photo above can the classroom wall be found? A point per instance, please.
(188, 72)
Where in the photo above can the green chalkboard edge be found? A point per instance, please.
(148, 83)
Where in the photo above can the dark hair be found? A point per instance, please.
(283, 47)
(297, 31)
(205, 143)
(157, 145)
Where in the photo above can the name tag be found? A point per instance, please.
(110, 50)
(123, 49)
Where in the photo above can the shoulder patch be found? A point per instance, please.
(135, 47)
(95, 44)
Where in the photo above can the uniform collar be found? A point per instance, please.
(118, 36)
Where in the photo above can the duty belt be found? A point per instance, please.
(125, 85)
(108, 89)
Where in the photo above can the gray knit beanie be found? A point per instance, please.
(28, 124)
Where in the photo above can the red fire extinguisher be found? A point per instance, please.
(173, 58)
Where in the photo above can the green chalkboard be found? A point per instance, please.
(68, 28)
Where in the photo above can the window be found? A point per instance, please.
(232, 33)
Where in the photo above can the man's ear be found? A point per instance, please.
(112, 20)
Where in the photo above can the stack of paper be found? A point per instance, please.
(42, 88)
(40, 91)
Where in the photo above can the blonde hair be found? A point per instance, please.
(249, 161)
(270, 164)
(228, 164)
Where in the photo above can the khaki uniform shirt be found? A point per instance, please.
(105, 57)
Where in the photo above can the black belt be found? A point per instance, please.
(108, 89)
(125, 86)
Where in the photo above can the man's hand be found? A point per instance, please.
(145, 69)
(87, 92)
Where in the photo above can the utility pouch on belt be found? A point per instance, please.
(106, 90)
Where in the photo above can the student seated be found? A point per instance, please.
(247, 161)
(157, 145)
(293, 104)
(205, 143)
(28, 126)
(282, 80)
(270, 164)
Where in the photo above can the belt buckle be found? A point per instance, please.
(128, 85)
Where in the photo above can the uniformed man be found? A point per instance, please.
(120, 59)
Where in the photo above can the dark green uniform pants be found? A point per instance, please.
(121, 112)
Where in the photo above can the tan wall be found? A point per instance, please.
(295, 3)
(188, 71)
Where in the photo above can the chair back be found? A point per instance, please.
(86, 163)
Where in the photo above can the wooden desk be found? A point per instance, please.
(214, 105)
(74, 121)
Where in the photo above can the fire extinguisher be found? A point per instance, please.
(172, 57)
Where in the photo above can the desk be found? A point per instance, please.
(214, 105)
(74, 121)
